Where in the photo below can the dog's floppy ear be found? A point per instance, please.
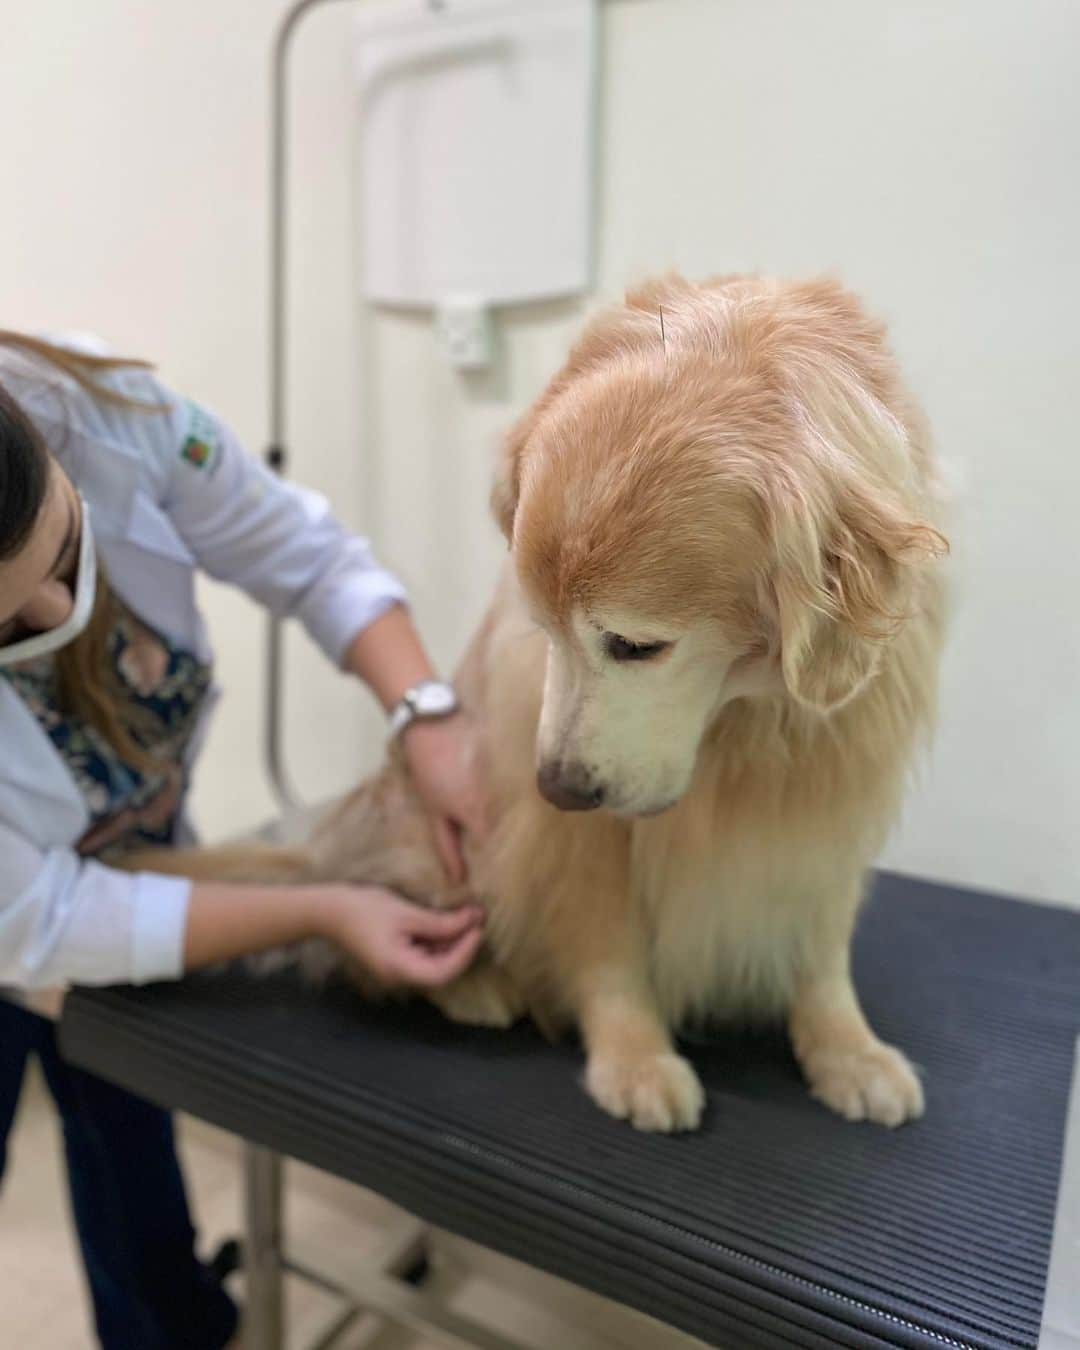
(606, 332)
(507, 484)
(506, 488)
(843, 588)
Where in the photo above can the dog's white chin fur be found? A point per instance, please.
(644, 811)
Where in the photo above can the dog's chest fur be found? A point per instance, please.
(725, 924)
(732, 900)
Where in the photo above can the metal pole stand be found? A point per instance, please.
(388, 1291)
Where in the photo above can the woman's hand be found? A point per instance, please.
(399, 942)
(442, 758)
(389, 656)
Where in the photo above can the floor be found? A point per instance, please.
(44, 1307)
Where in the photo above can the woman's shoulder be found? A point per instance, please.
(122, 388)
(123, 409)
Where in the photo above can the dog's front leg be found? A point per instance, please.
(846, 1065)
(633, 1070)
(565, 927)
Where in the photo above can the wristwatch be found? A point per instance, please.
(424, 702)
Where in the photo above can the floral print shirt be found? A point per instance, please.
(165, 687)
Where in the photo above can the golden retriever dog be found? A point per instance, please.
(697, 695)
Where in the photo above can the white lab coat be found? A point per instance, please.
(157, 517)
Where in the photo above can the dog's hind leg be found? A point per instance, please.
(485, 996)
(269, 863)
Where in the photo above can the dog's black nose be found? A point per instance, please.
(570, 788)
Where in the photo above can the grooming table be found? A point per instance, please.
(776, 1225)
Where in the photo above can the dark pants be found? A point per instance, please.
(127, 1195)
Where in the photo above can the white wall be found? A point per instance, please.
(926, 152)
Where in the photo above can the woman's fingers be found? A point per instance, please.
(475, 817)
(448, 842)
(429, 965)
(444, 925)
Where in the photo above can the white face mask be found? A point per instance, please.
(41, 644)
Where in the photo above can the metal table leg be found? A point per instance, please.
(264, 1315)
(387, 1291)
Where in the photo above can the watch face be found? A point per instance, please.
(435, 700)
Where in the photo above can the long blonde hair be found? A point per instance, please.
(87, 685)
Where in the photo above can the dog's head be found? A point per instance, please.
(725, 513)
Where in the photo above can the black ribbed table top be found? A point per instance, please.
(776, 1225)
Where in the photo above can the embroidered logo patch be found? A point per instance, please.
(201, 445)
(196, 452)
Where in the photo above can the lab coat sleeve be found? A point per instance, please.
(277, 541)
(68, 920)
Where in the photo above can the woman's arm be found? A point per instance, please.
(389, 656)
(282, 544)
(70, 920)
(284, 547)
(399, 942)
(244, 525)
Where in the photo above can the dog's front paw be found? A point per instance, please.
(874, 1083)
(654, 1092)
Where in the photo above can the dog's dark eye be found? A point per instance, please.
(621, 649)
